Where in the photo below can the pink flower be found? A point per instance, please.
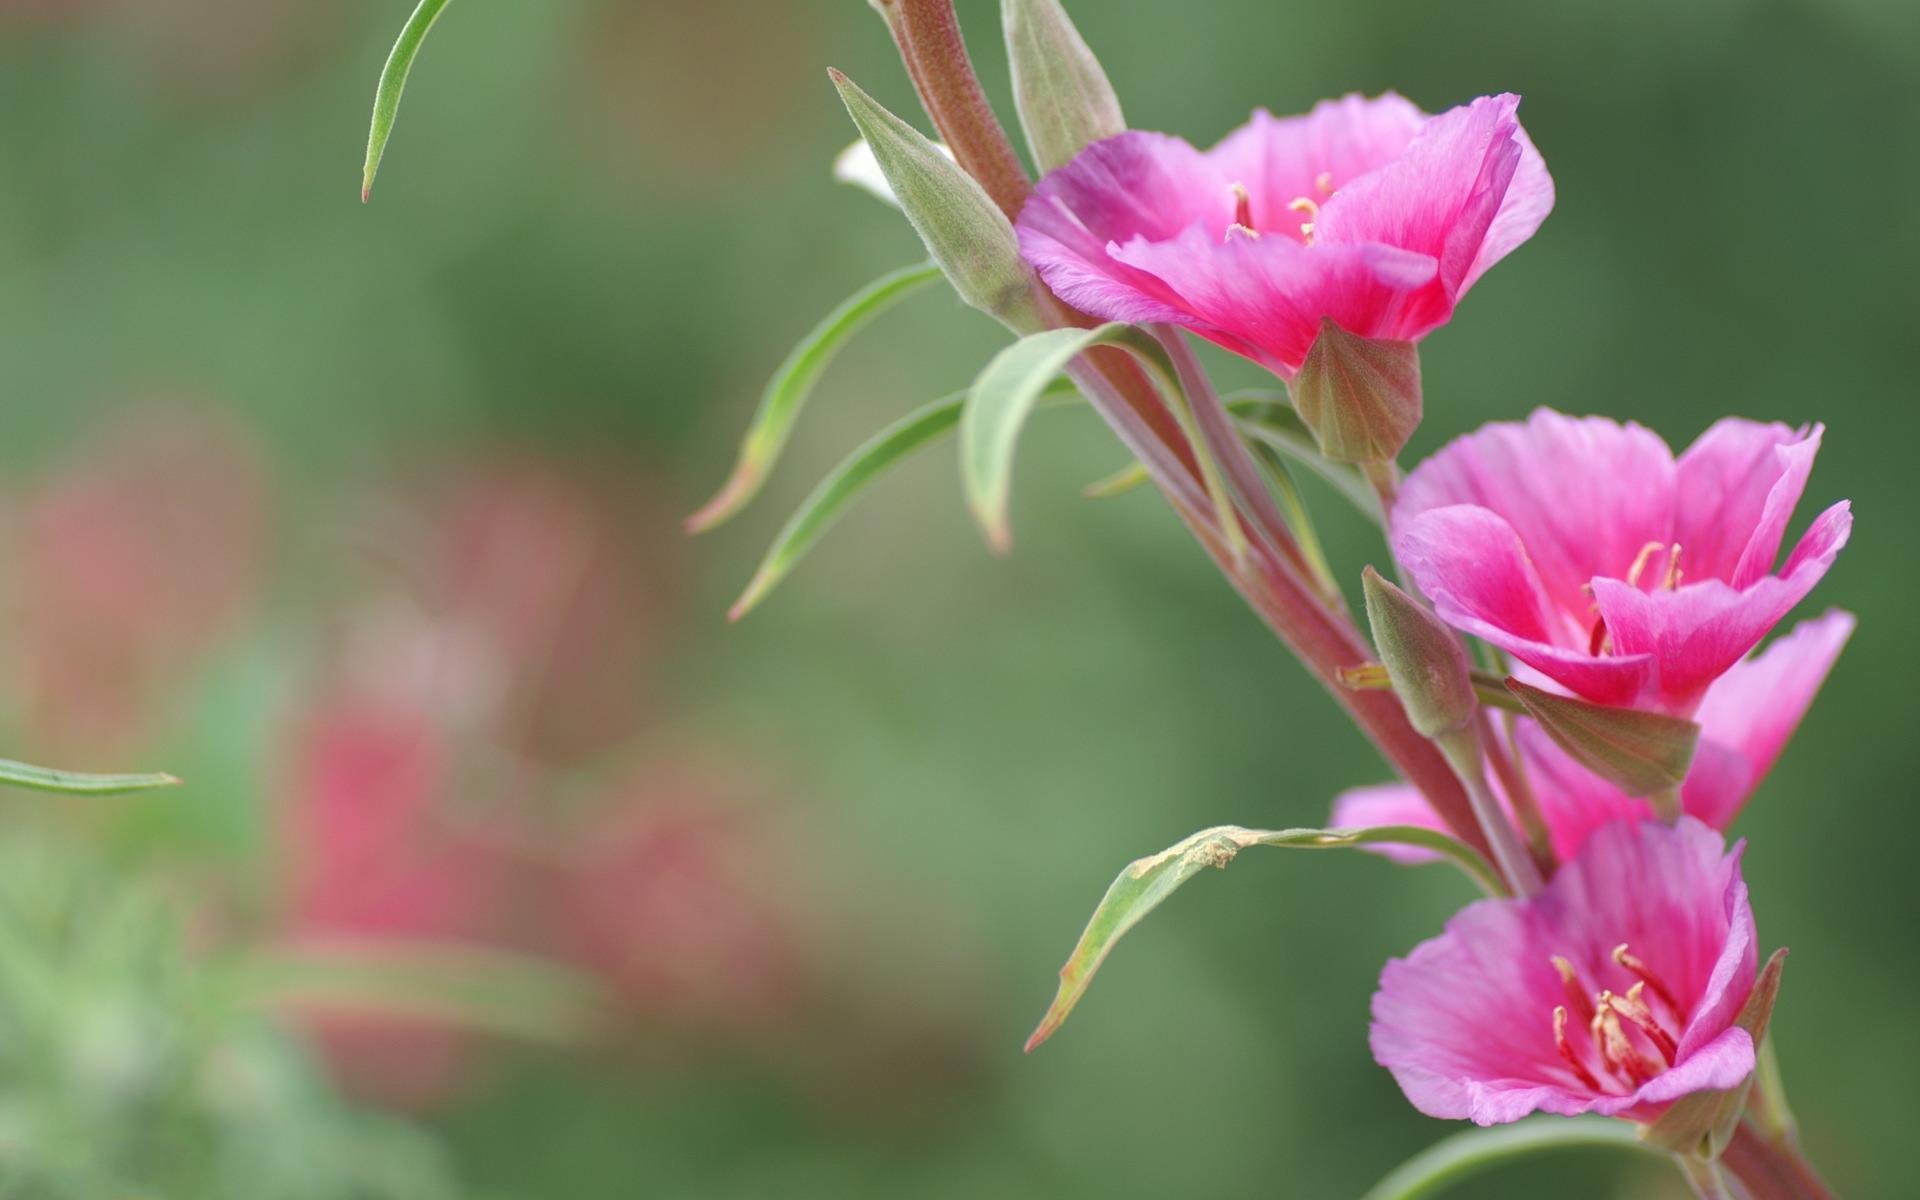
(1367, 211)
(1745, 722)
(1585, 550)
(1613, 991)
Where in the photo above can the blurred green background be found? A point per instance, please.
(599, 226)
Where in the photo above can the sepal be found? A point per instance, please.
(968, 236)
(1641, 753)
(1360, 396)
(1424, 659)
(1064, 97)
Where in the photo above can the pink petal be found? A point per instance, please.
(1279, 159)
(1472, 565)
(1738, 484)
(1265, 297)
(1573, 800)
(1388, 804)
(1700, 630)
(1757, 704)
(1134, 185)
(1438, 197)
(1583, 494)
(1718, 1066)
(1528, 200)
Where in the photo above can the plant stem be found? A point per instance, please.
(1771, 1168)
(928, 34)
(1462, 749)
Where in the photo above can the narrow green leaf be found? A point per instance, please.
(393, 81)
(996, 410)
(823, 506)
(1063, 95)
(1266, 419)
(76, 783)
(792, 385)
(1466, 1155)
(1144, 883)
(485, 990)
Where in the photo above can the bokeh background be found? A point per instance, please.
(365, 520)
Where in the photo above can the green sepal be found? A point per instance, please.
(1641, 753)
(1062, 93)
(1360, 396)
(964, 232)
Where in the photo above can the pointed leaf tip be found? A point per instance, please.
(792, 386)
(1144, 883)
(80, 783)
(393, 83)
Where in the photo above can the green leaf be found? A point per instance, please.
(1641, 753)
(1063, 95)
(470, 987)
(393, 81)
(1145, 882)
(76, 783)
(791, 386)
(1466, 1155)
(1125, 480)
(996, 410)
(1265, 418)
(823, 506)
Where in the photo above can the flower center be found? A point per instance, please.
(1306, 206)
(1631, 1036)
(1598, 640)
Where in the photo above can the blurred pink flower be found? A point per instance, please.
(1614, 990)
(375, 853)
(1585, 550)
(1745, 722)
(1366, 211)
(126, 569)
(676, 898)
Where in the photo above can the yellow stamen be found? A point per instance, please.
(1640, 561)
(1674, 575)
(1631, 962)
(1324, 182)
(1242, 206)
(1308, 209)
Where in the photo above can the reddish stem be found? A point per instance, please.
(1772, 1170)
(930, 41)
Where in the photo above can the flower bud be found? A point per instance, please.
(1641, 753)
(966, 234)
(1064, 98)
(1360, 396)
(1424, 658)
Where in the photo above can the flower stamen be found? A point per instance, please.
(1631, 962)
(1616, 1051)
(1308, 209)
(1323, 182)
(1674, 574)
(1633, 1008)
(1577, 1001)
(1567, 1052)
(1242, 206)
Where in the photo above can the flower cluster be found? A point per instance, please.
(1618, 592)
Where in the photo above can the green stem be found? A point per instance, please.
(1463, 753)
(1466, 1155)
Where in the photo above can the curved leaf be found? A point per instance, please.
(78, 783)
(787, 392)
(1145, 882)
(823, 506)
(393, 81)
(1465, 1155)
(996, 410)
